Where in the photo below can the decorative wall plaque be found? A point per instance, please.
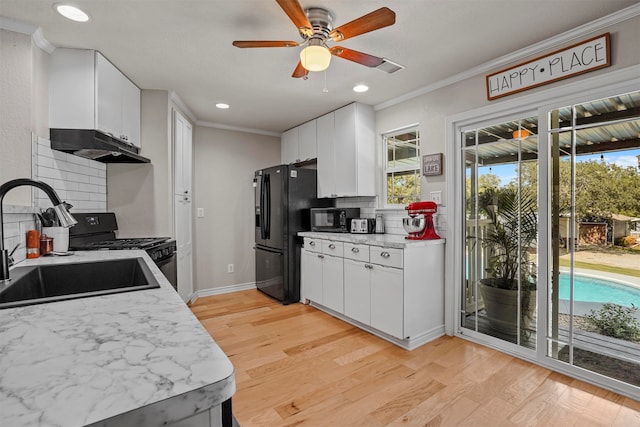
(580, 58)
(432, 164)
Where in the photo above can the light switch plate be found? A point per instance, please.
(200, 212)
(436, 196)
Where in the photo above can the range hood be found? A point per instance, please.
(95, 145)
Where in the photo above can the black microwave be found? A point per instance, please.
(333, 220)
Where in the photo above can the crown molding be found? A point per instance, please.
(175, 98)
(237, 128)
(521, 54)
(30, 30)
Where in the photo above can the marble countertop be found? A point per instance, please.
(387, 240)
(133, 358)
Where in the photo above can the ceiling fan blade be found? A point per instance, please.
(264, 43)
(355, 56)
(300, 71)
(294, 11)
(377, 19)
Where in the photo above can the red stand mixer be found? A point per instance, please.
(419, 225)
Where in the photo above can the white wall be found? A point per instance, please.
(16, 106)
(224, 165)
(141, 195)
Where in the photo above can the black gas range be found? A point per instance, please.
(97, 231)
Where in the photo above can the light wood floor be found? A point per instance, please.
(297, 365)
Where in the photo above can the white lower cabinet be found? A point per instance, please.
(357, 291)
(311, 276)
(333, 283)
(322, 278)
(393, 292)
(387, 300)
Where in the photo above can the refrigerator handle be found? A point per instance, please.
(268, 210)
(262, 207)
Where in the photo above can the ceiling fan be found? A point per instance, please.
(315, 25)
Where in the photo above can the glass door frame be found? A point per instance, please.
(540, 103)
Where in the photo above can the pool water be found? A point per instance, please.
(589, 289)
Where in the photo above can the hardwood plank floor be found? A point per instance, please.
(297, 365)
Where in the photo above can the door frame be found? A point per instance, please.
(585, 89)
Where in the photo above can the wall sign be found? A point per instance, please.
(432, 164)
(580, 58)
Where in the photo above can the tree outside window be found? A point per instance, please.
(402, 166)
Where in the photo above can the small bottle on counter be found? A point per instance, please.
(33, 244)
(46, 244)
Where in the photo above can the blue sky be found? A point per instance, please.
(622, 158)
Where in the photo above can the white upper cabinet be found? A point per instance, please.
(89, 92)
(299, 144)
(307, 141)
(346, 152)
(289, 146)
(325, 130)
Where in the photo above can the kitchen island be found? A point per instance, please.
(129, 359)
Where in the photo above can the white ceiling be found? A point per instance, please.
(185, 46)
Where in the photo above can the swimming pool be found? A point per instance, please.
(591, 289)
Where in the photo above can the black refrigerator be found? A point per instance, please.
(283, 196)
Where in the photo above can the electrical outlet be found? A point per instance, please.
(436, 196)
(229, 268)
(200, 212)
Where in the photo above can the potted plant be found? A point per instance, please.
(509, 237)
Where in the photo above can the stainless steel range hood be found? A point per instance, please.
(95, 145)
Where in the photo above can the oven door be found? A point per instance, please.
(169, 267)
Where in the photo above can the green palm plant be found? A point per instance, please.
(512, 232)
(509, 237)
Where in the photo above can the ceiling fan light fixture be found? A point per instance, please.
(315, 57)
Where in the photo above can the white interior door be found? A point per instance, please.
(183, 207)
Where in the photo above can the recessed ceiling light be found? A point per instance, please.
(222, 105)
(71, 12)
(360, 88)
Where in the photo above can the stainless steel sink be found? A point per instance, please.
(57, 282)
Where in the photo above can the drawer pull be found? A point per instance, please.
(332, 246)
(355, 250)
(385, 254)
(312, 243)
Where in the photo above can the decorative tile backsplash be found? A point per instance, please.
(78, 181)
(392, 217)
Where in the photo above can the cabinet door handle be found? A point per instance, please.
(321, 256)
(369, 266)
(312, 243)
(385, 254)
(332, 246)
(355, 250)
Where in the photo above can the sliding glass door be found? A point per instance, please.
(501, 216)
(550, 242)
(594, 284)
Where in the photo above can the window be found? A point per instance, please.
(402, 166)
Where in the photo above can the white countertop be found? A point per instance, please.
(111, 360)
(387, 240)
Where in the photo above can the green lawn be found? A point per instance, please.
(600, 267)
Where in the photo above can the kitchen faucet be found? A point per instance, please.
(66, 220)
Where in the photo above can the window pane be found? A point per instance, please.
(403, 167)
(403, 187)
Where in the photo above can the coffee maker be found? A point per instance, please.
(419, 225)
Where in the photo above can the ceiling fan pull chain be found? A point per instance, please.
(324, 89)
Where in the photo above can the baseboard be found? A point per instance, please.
(407, 344)
(221, 290)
